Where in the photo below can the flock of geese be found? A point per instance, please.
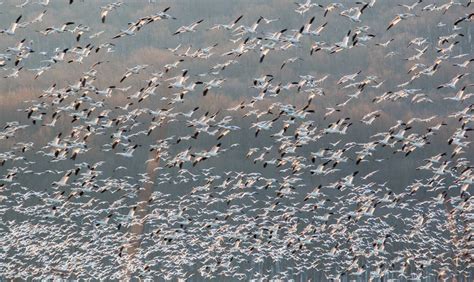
(306, 173)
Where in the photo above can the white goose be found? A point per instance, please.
(12, 28)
